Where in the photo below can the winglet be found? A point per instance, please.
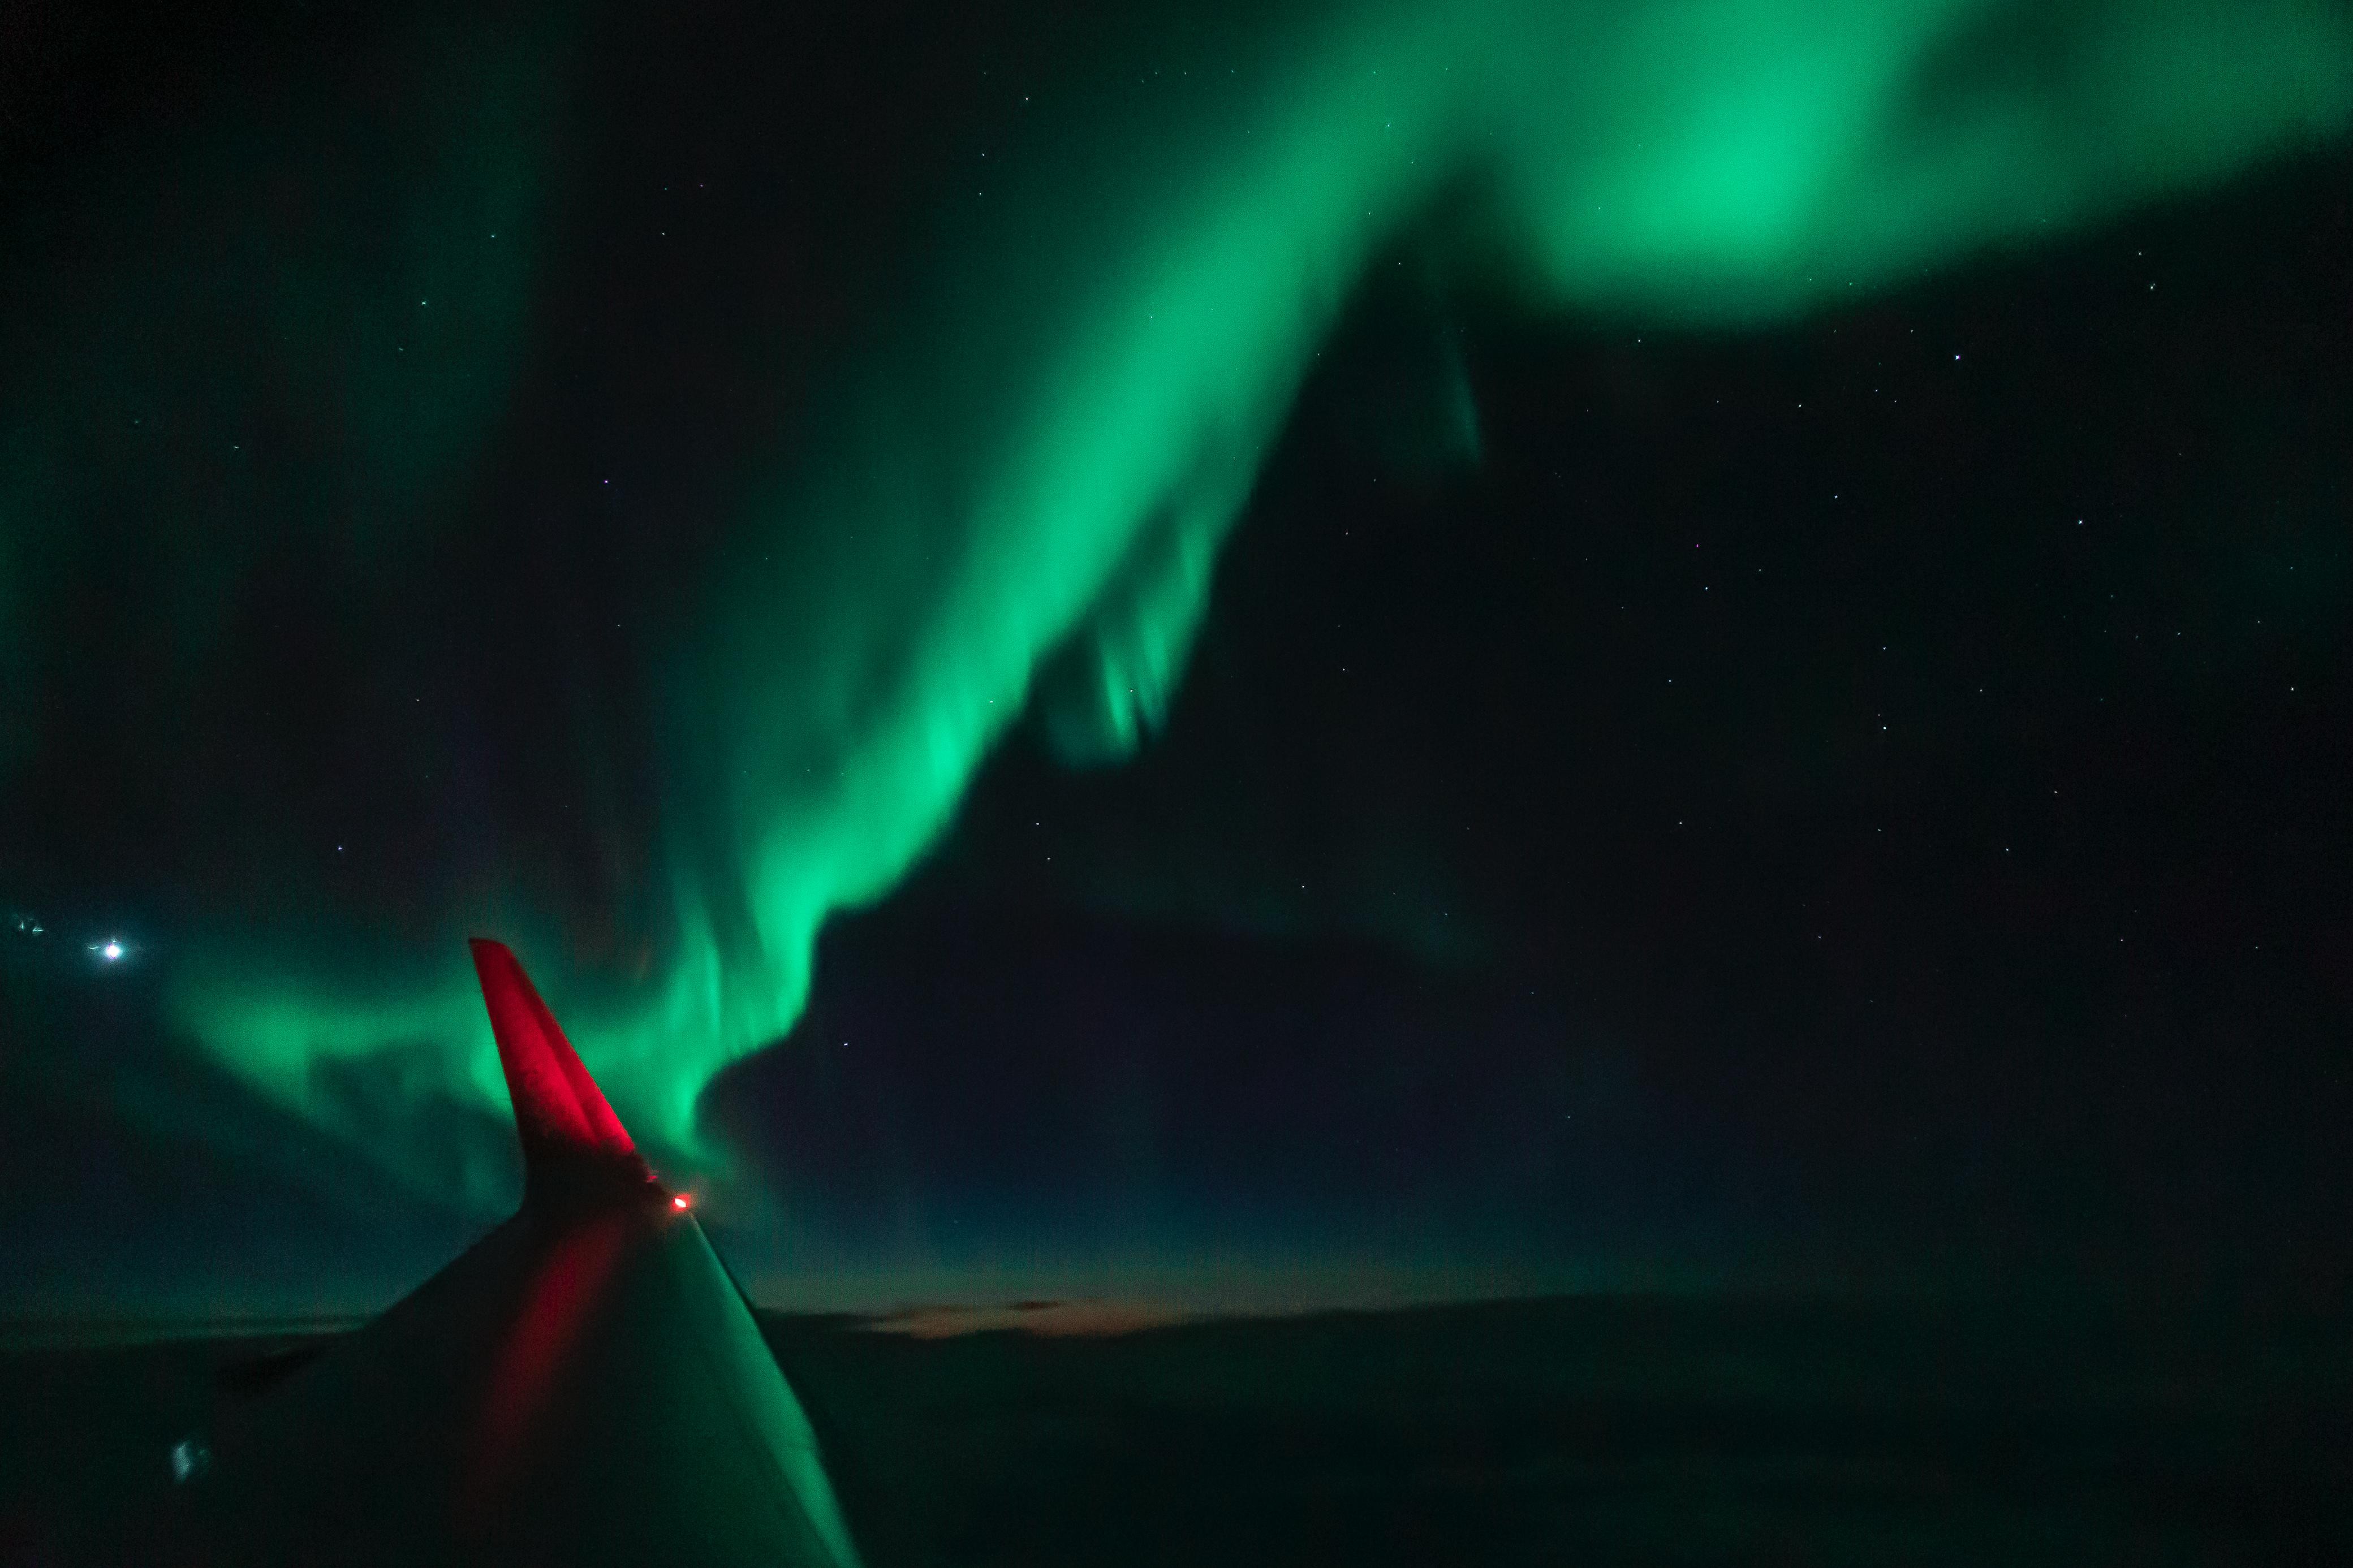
(559, 1114)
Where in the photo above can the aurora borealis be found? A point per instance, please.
(615, 482)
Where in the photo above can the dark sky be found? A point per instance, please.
(1946, 879)
(1850, 790)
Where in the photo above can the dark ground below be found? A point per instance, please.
(1613, 1430)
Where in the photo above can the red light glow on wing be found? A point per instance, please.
(559, 1109)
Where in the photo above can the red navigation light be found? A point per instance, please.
(682, 1201)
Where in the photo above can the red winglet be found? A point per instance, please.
(559, 1114)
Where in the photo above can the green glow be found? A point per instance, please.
(1043, 455)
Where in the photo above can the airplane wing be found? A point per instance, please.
(585, 1384)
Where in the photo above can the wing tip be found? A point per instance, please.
(561, 1114)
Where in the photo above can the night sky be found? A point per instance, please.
(1377, 654)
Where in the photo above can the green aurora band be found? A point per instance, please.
(1017, 491)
